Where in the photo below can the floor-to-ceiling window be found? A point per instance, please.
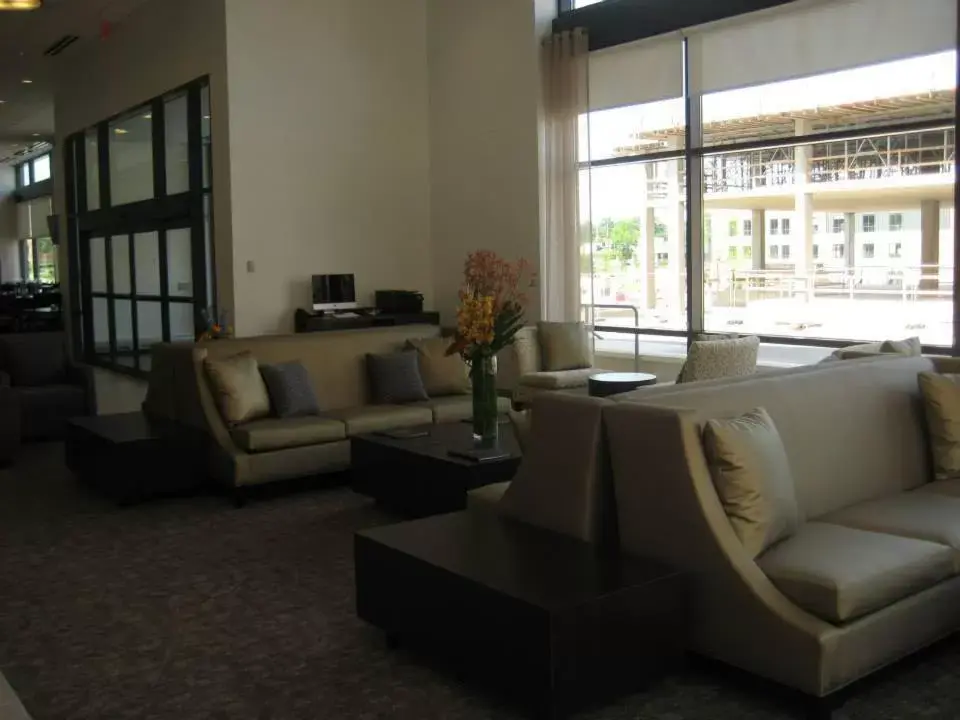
(756, 183)
(38, 253)
(139, 187)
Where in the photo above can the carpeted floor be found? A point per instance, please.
(189, 609)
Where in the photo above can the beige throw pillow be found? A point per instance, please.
(941, 401)
(442, 374)
(752, 477)
(564, 346)
(238, 388)
(911, 346)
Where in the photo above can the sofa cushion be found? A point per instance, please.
(291, 392)
(564, 345)
(238, 388)
(910, 346)
(281, 433)
(840, 573)
(454, 408)
(751, 473)
(395, 377)
(34, 359)
(707, 360)
(374, 418)
(920, 515)
(558, 380)
(441, 374)
(941, 403)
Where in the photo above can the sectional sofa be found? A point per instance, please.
(270, 449)
(870, 574)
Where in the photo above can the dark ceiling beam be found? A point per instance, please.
(615, 22)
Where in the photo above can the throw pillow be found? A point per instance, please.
(442, 374)
(564, 346)
(713, 359)
(395, 378)
(238, 388)
(290, 390)
(941, 402)
(752, 476)
(911, 346)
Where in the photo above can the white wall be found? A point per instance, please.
(330, 155)
(484, 160)
(9, 249)
(162, 45)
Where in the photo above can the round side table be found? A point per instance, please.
(606, 384)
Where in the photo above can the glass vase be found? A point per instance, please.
(483, 377)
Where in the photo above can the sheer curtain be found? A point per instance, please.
(565, 105)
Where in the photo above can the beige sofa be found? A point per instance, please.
(276, 449)
(872, 573)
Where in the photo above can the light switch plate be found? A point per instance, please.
(250, 266)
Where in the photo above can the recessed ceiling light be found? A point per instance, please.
(206, 117)
(148, 116)
(27, 82)
(36, 134)
(121, 131)
(20, 4)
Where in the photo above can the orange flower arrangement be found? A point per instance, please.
(491, 304)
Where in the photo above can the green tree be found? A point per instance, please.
(624, 238)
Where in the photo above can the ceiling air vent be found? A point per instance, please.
(60, 45)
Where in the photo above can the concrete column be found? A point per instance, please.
(930, 243)
(759, 239)
(676, 239)
(648, 282)
(802, 233)
(850, 239)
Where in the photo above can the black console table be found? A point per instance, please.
(364, 318)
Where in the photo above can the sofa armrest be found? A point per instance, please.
(9, 423)
(5, 379)
(82, 375)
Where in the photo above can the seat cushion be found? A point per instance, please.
(280, 433)
(920, 515)
(840, 573)
(454, 408)
(558, 380)
(374, 418)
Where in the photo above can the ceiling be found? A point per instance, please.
(26, 115)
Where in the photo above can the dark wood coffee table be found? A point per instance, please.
(541, 616)
(130, 457)
(418, 477)
(612, 383)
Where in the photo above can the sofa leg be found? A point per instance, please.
(239, 497)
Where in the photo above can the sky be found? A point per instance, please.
(614, 190)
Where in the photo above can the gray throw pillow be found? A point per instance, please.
(291, 392)
(395, 378)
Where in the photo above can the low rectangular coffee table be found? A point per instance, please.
(541, 616)
(418, 476)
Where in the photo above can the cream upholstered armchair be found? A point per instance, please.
(548, 357)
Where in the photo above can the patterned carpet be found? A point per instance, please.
(189, 609)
